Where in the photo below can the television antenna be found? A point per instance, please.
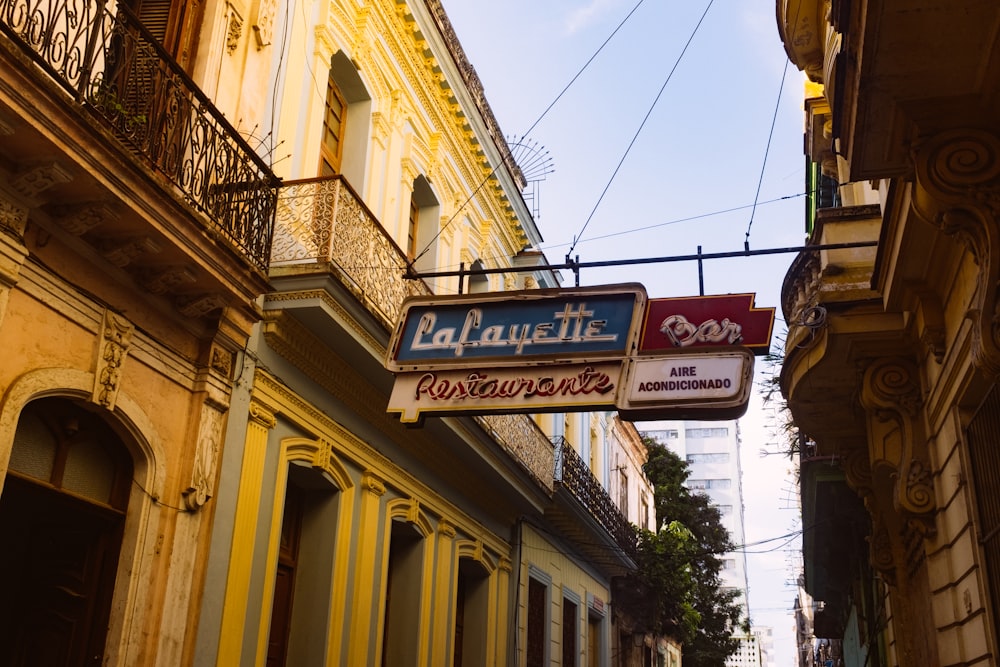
(535, 164)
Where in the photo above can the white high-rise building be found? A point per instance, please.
(712, 451)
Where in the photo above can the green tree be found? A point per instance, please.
(679, 565)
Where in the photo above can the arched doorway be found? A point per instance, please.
(62, 513)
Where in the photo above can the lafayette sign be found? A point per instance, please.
(516, 328)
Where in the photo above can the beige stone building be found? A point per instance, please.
(891, 360)
(135, 227)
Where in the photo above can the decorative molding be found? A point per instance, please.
(38, 178)
(234, 30)
(891, 395)
(446, 528)
(372, 483)
(262, 415)
(114, 343)
(263, 23)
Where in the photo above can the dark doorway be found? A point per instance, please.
(62, 514)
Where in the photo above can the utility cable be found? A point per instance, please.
(641, 125)
(767, 149)
(508, 155)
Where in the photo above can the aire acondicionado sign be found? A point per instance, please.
(572, 350)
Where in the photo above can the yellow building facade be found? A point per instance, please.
(345, 537)
(210, 215)
(890, 367)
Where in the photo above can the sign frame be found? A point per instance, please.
(710, 399)
(518, 328)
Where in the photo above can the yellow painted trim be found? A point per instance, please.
(244, 528)
(362, 604)
(319, 454)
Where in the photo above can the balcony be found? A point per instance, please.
(585, 512)
(338, 273)
(116, 78)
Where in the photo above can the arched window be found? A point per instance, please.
(62, 513)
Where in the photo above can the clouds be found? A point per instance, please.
(592, 13)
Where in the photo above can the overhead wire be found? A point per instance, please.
(649, 112)
(767, 150)
(508, 155)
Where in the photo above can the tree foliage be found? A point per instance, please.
(679, 566)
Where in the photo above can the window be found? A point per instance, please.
(569, 633)
(334, 117)
(709, 457)
(471, 614)
(716, 432)
(538, 599)
(623, 491)
(402, 593)
(709, 484)
(411, 230)
(729, 564)
(644, 510)
(725, 510)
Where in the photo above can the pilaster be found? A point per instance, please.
(365, 598)
(262, 420)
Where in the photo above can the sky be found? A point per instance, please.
(657, 143)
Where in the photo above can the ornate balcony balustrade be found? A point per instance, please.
(573, 474)
(322, 220)
(124, 79)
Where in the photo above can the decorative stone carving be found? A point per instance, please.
(165, 280)
(13, 216)
(221, 361)
(114, 344)
(233, 31)
(38, 178)
(958, 190)
(891, 394)
(122, 252)
(203, 471)
(202, 305)
(78, 220)
(263, 22)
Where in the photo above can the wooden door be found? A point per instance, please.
(59, 560)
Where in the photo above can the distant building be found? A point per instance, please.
(712, 452)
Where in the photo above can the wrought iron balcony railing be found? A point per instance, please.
(573, 474)
(124, 79)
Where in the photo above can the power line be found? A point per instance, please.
(641, 125)
(508, 155)
(767, 149)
